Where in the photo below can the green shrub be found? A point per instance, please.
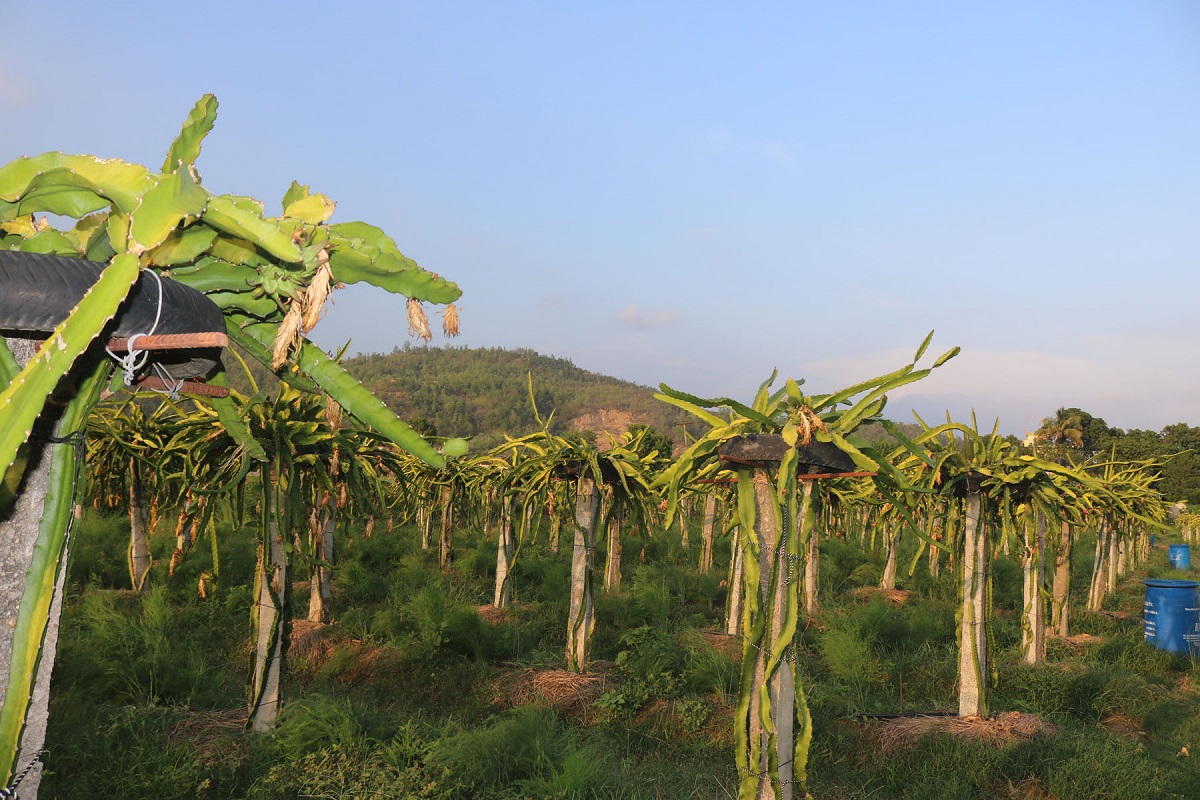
(545, 578)
(314, 723)
(863, 575)
(388, 624)
(348, 770)
(839, 560)
(941, 589)
(465, 633)
(144, 649)
(706, 671)
(931, 622)
(479, 562)
(238, 599)
(848, 643)
(428, 611)
(651, 602)
(356, 623)
(528, 754)
(341, 661)
(885, 627)
(237, 554)
(1007, 588)
(357, 584)
(100, 752)
(99, 551)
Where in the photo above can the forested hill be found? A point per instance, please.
(484, 392)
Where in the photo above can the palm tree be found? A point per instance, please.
(1063, 429)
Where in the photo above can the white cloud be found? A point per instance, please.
(1122, 381)
(779, 153)
(11, 89)
(634, 317)
(723, 140)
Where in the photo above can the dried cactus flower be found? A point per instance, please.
(450, 320)
(806, 423)
(333, 414)
(286, 336)
(418, 323)
(317, 292)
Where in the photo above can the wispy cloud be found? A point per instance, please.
(11, 89)
(780, 153)
(722, 139)
(1022, 387)
(635, 317)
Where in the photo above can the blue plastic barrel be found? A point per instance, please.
(1171, 615)
(1180, 556)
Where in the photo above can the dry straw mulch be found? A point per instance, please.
(1121, 725)
(664, 717)
(896, 735)
(558, 688)
(364, 664)
(727, 644)
(1185, 684)
(312, 645)
(896, 597)
(1030, 788)
(1077, 640)
(308, 642)
(213, 735)
(492, 615)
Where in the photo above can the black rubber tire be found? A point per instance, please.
(37, 292)
(769, 447)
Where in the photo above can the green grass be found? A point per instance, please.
(403, 702)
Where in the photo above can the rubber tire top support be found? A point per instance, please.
(38, 291)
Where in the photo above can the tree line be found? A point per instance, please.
(1176, 447)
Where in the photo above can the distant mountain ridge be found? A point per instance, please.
(484, 393)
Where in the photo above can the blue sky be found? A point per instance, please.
(698, 193)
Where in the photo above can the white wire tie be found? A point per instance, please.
(130, 362)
